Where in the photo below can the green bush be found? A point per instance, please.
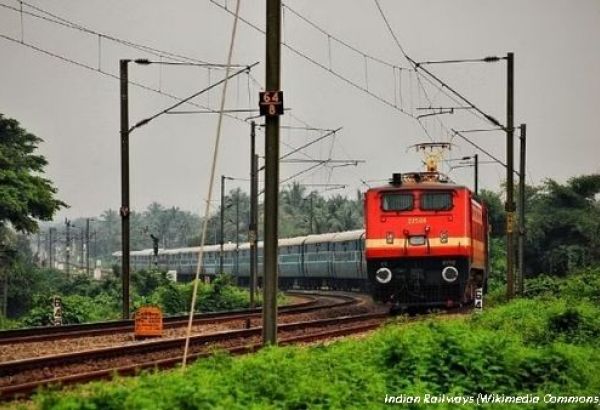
(6, 324)
(584, 284)
(581, 284)
(75, 309)
(145, 282)
(501, 350)
(540, 322)
(219, 295)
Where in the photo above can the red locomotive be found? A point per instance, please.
(426, 241)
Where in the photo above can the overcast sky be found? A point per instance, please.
(76, 110)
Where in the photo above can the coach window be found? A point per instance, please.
(436, 201)
(397, 202)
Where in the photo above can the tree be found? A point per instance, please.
(496, 213)
(563, 225)
(25, 196)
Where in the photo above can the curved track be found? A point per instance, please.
(22, 377)
(48, 333)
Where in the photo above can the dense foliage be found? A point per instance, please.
(83, 299)
(538, 346)
(25, 196)
(89, 300)
(563, 225)
(219, 295)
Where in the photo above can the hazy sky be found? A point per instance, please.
(76, 110)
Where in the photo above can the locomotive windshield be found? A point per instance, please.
(397, 202)
(436, 201)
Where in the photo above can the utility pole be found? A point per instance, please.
(51, 248)
(222, 238)
(253, 231)
(273, 71)
(47, 245)
(94, 234)
(5, 292)
(124, 211)
(4, 273)
(68, 246)
(237, 234)
(522, 173)
(476, 162)
(155, 241)
(311, 198)
(39, 250)
(510, 203)
(87, 246)
(81, 250)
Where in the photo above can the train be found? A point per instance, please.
(323, 261)
(424, 244)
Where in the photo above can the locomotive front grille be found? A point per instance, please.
(436, 294)
(419, 282)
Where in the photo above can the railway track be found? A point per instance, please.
(48, 333)
(316, 305)
(21, 378)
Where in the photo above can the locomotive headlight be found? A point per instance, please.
(383, 275)
(444, 237)
(450, 274)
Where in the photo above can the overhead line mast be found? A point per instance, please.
(272, 83)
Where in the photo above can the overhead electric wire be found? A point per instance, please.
(364, 89)
(308, 144)
(306, 127)
(320, 65)
(177, 104)
(482, 130)
(54, 18)
(482, 150)
(304, 171)
(443, 85)
(418, 67)
(105, 73)
(159, 53)
(340, 41)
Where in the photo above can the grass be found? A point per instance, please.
(538, 346)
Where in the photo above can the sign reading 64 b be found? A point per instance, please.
(271, 103)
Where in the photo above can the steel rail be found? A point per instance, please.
(25, 390)
(46, 333)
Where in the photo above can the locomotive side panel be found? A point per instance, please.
(478, 236)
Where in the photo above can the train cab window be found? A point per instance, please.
(436, 201)
(397, 202)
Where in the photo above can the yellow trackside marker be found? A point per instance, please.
(510, 222)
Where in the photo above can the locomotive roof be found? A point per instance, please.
(413, 186)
